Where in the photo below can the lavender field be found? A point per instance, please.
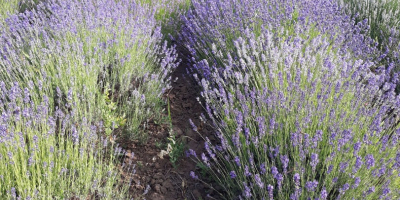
(200, 99)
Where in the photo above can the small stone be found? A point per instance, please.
(177, 131)
(157, 188)
(157, 196)
(157, 165)
(167, 184)
(163, 190)
(158, 176)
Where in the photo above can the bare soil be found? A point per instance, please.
(166, 181)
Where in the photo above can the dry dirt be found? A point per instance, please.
(166, 181)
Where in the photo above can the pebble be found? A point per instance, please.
(157, 188)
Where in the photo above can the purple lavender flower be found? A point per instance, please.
(369, 161)
(382, 170)
(385, 192)
(237, 161)
(324, 194)
(258, 181)
(357, 147)
(13, 192)
(247, 172)
(345, 188)
(193, 175)
(270, 190)
(276, 151)
(296, 179)
(239, 118)
(384, 142)
(274, 171)
(343, 166)
(357, 182)
(358, 164)
(191, 152)
(279, 178)
(295, 138)
(334, 180)
(330, 168)
(194, 127)
(251, 158)
(236, 140)
(306, 140)
(285, 162)
(397, 161)
(370, 190)
(75, 135)
(317, 138)
(261, 126)
(247, 191)
(262, 168)
(232, 174)
(208, 149)
(63, 170)
(205, 159)
(314, 160)
(30, 161)
(311, 185)
(272, 125)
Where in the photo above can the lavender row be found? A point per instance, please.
(89, 47)
(72, 74)
(289, 89)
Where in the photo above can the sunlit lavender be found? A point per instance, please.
(72, 73)
(302, 96)
(295, 104)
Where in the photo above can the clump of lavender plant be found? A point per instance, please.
(67, 56)
(303, 115)
(86, 48)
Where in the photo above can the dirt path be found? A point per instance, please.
(165, 181)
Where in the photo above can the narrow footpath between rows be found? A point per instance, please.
(165, 181)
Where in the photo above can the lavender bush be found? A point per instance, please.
(71, 73)
(86, 48)
(298, 114)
